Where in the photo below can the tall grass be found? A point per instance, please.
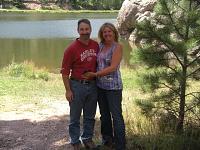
(28, 70)
(26, 85)
(23, 84)
(146, 133)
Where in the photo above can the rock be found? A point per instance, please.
(131, 12)
(32, 6)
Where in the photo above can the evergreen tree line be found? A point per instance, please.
(97, 4)
(75, 4)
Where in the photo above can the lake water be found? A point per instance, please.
(42, 38)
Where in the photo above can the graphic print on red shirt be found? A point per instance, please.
(79, 58)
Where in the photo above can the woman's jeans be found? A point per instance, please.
(111, 117)
(84, 98)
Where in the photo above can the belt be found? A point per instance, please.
(83, 81)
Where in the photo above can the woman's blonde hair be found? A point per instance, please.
(110, 26)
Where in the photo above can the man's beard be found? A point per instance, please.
(85, 36)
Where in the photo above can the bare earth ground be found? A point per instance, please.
(45, 129)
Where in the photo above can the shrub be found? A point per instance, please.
(27, 70)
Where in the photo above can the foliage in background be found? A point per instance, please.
(145, 133)
(27, 70)
(97, 4)
(170, 48)
(69, 4)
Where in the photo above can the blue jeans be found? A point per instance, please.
(84, 98)
(111, 117)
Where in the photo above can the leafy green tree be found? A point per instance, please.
(44, 1)
(96, 4)
(76, 4)
(170, 48)
(18, 3)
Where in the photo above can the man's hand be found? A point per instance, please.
(69, 95)
(89, 75)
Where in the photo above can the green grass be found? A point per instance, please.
(19, 88)
(27, 70)
(24, 84)
(129, 78)
(144, 133)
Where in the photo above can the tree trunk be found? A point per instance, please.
(2, 4)
(180, 124)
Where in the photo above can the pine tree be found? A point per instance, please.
(170, 48)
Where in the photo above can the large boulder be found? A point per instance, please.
(133, 11)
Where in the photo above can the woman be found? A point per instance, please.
(109, 84)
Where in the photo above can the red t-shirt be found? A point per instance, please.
(80, 58)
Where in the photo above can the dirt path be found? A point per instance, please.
(38, 130)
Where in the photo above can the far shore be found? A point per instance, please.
(58, 11)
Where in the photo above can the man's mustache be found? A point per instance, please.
(86, 34)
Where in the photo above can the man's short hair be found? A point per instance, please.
(84, 21)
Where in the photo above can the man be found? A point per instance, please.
(79, 58)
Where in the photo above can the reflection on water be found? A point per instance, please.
(42, 38)
(42, 52)
(10, 16)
